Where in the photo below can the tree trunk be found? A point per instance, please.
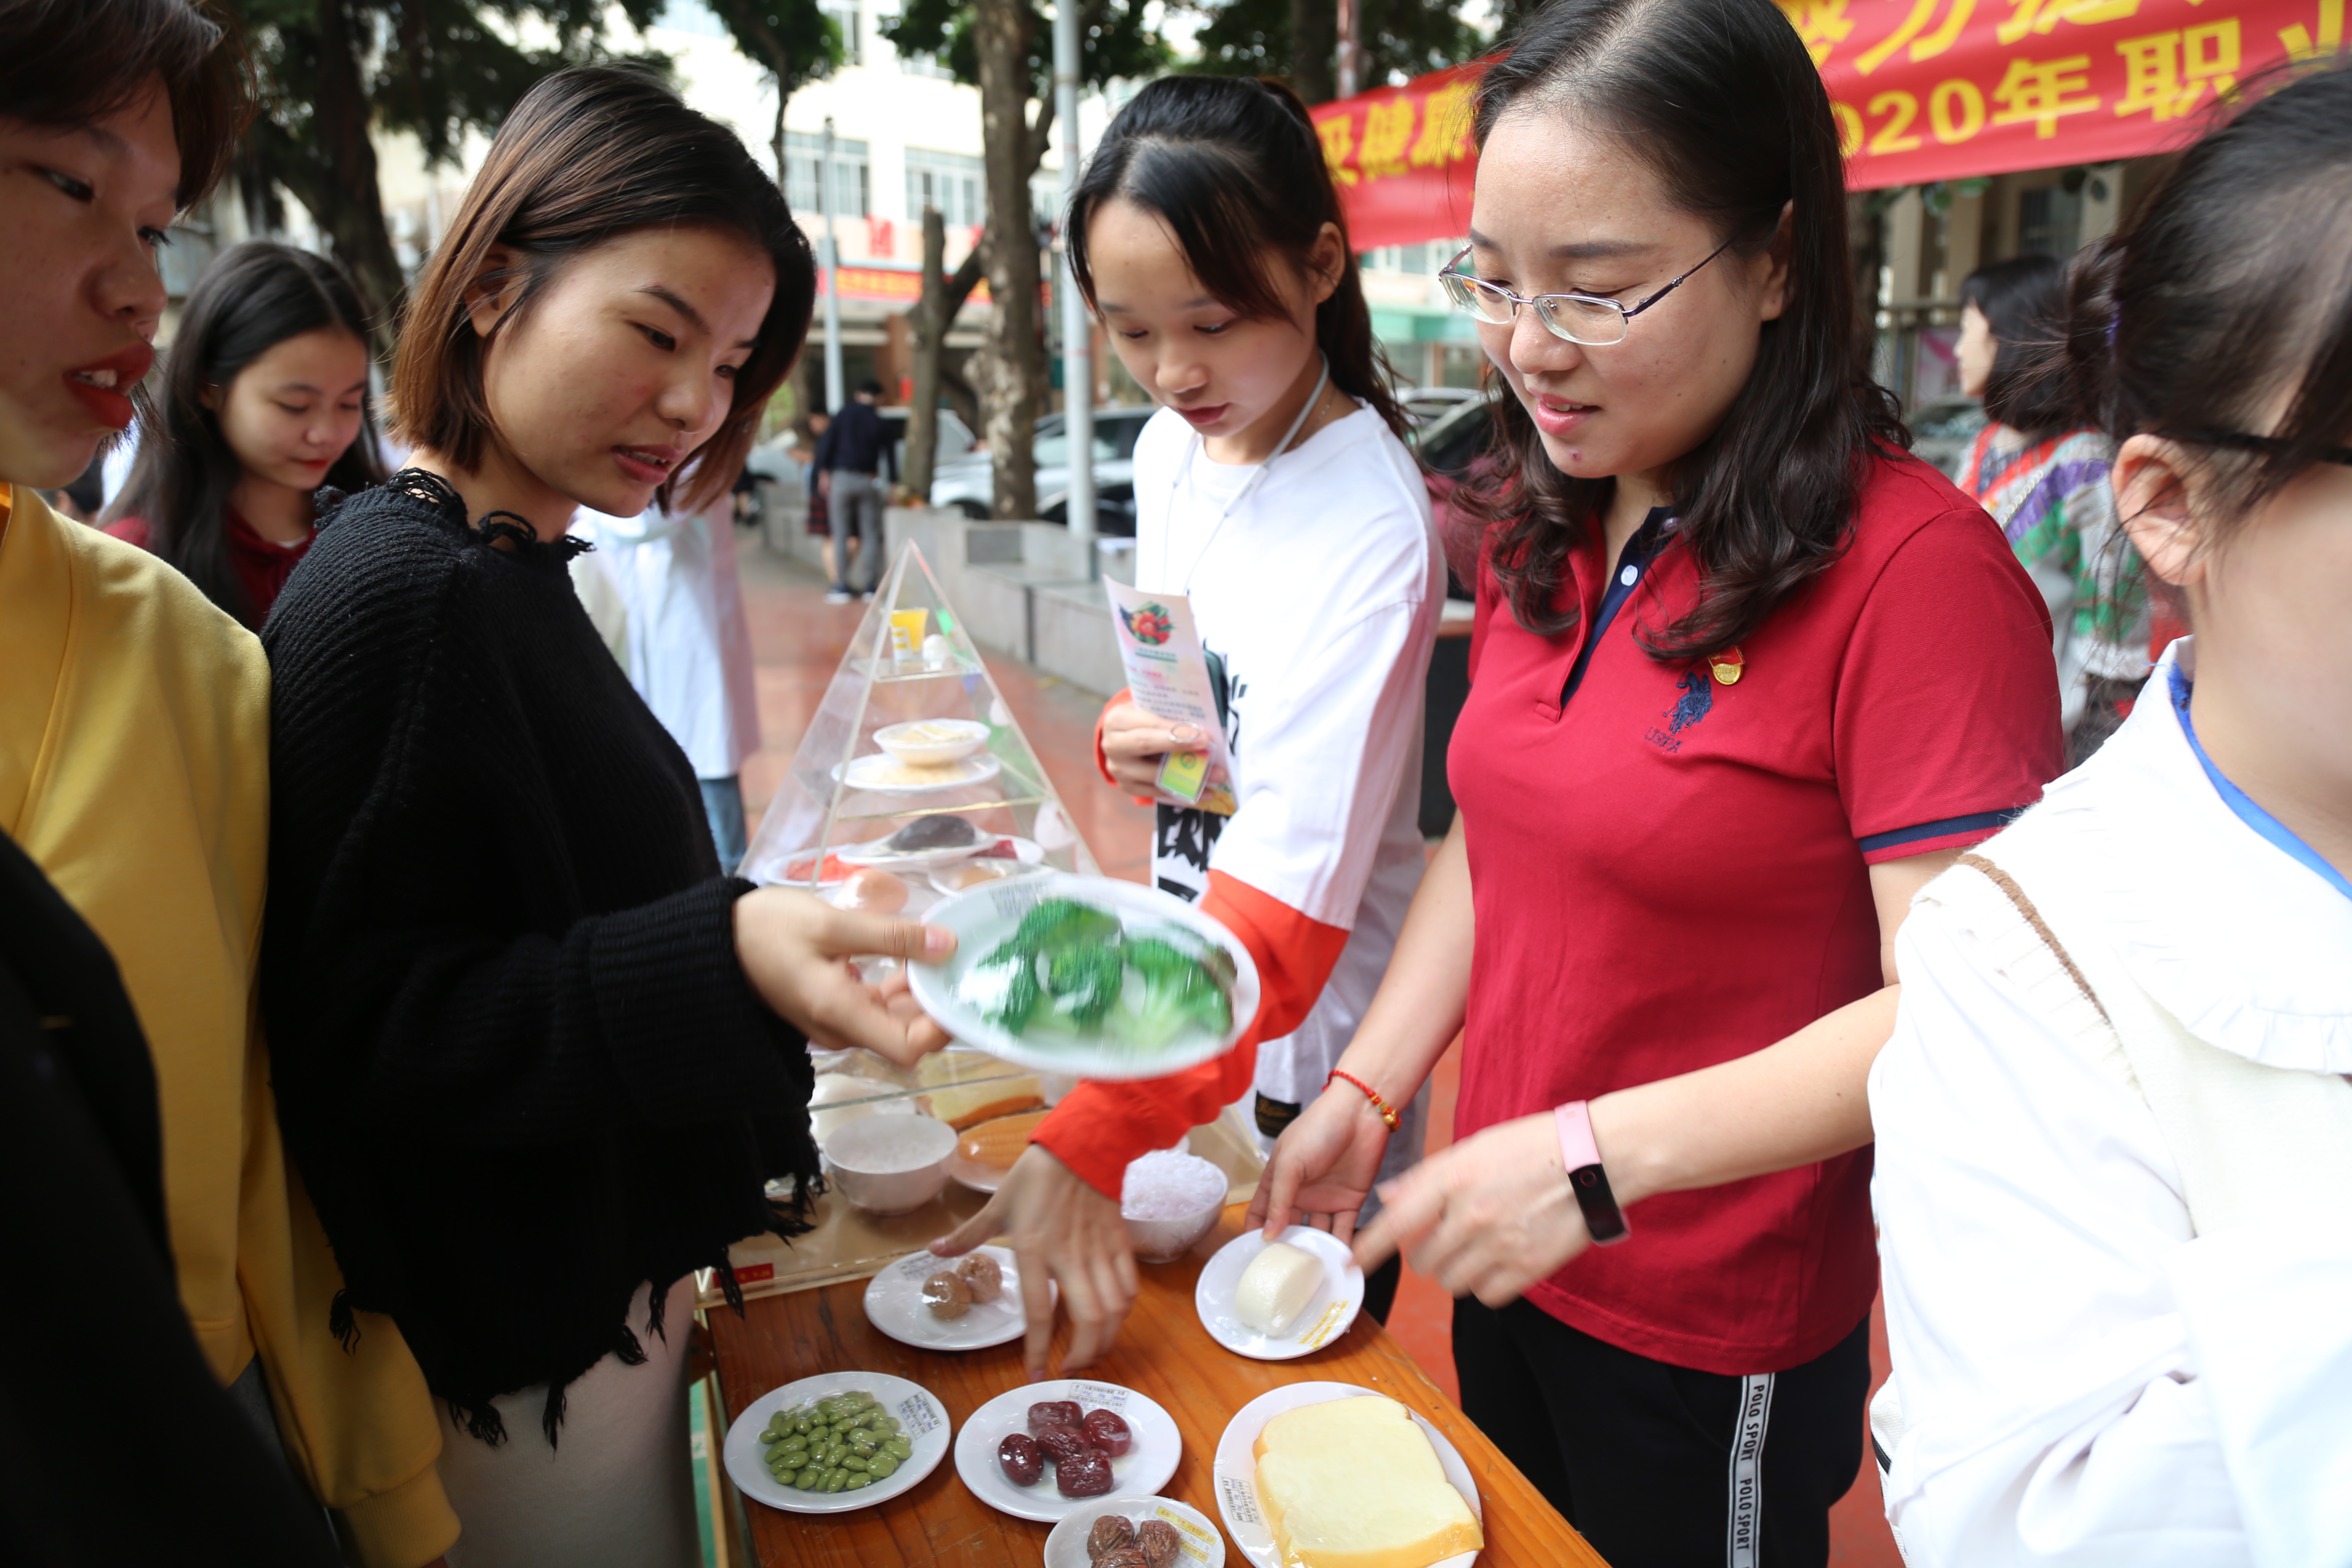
(1313, 43)
(936, 312)
(353, 215)
(1009, 372)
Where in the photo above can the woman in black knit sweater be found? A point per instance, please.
(535, 1056)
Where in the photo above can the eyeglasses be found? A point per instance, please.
(2249, 443)
(1586, 318)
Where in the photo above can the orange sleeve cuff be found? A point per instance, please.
(1098, 1128)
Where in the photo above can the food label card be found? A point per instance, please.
(1168, 677)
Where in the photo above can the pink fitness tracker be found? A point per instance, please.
(1581, 1157)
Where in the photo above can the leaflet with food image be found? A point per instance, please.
(1168, 677)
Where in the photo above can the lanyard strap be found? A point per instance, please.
(1191, 453)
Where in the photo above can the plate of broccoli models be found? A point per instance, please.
(1086, 975)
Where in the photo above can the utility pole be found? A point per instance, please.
(830, 262)
(1351, 47)
(1078, 330)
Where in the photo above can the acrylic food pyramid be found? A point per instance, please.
(913, 767)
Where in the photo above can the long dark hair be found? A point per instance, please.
(255, 297)
(2023, 302)
(586, 156)
(1233, 168)
(1720, 98)
(2234, 280)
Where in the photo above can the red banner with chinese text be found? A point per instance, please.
(1923, 90)
(1402, 158)
(1939, 89)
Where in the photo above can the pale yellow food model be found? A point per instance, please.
(1276, 1287)
(1354, 1483)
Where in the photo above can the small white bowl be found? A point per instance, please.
(932, 743)
(1165, 1240)
(890, 1164)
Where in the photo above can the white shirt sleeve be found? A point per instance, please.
(1322, 758)
(2033, 1235)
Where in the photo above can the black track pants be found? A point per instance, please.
(1659, 1466)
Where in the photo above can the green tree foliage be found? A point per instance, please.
(1298, 40)
(793, 40)
(1115, 38)
(339, 69)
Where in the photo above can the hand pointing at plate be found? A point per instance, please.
(1061, 1229)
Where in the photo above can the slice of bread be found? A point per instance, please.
(1354, 1483)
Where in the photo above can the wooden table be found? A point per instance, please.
(1162, 1351)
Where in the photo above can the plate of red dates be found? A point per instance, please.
(1044, 1451)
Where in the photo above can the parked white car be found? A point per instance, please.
(969, 483)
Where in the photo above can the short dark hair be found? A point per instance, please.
(1720, 100)
(1233, 168)
(2024, 301)
(67, 64)
(588, 155)
(2233, 280)
(870, 387)
(255, 297)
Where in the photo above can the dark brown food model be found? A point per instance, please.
(981, 1276)
(1106, 1430)
(1086, 1473)
(1062, 1443)
(1110, 1531)
(947, 1295)
(1122, 1557)
(1022, 1459)
(1158, 1541)
(1053, 1413)
(932, 833)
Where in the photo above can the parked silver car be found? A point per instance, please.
(969, 483)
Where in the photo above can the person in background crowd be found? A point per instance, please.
(1207, 237)
(686, 645)
(536, 1056)
(2115, 1133)
(168, 1313)
(810, 434)
(2043, 475)
(1745, 676)
(855, 468)
(264, 400)
(81, 500)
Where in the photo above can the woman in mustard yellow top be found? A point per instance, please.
(134, 772)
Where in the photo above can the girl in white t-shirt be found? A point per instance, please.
(1274, 491)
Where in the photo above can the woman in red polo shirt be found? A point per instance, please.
(1746, 677)
(265, 398)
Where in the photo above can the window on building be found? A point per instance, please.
(921, 64)
(2049, 222)
(947, 181)
(849, 18)
(1045, 200)
(852, 174)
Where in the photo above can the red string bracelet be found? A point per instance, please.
(1388, 1112)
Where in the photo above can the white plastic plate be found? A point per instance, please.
(1323, 1320)
(894, 1304)
(922, 1421)
(1234, 1473)
(1202, 1547)
(867, 772)
(984, 916)
(1144, 1468)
